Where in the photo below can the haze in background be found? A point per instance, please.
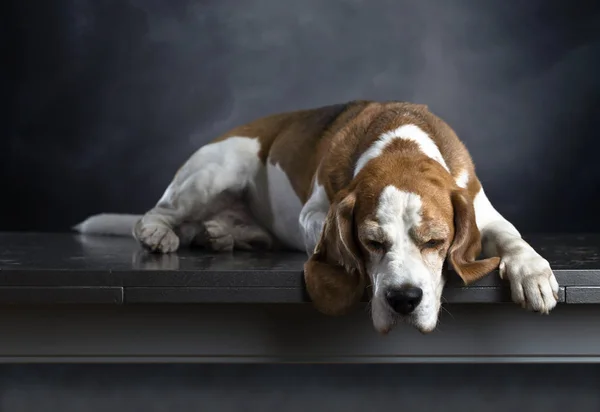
(108, 98)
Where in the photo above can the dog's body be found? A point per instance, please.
(376, 193)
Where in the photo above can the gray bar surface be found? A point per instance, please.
(60, 295)
(49, 264)
(293, 333)
(66, 298)
(583, 294)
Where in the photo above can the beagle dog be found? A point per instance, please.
(378, 194)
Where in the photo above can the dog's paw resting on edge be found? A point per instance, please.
(532, 282)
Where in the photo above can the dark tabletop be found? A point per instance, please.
(65, 268)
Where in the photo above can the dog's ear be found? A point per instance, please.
(334, 274)
(466, 245)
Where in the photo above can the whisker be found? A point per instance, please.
(369, 307)
(448, 312)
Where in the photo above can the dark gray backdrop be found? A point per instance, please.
(108, 97)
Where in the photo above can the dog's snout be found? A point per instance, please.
(404, 300)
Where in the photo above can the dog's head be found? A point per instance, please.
(393, 228)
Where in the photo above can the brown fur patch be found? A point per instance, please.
(335, 274)
(298, 140)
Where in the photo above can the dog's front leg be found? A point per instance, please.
(312, 218)
(312, 227)
(533, 285)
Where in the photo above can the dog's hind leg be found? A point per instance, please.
(232, 227)
(226, 166)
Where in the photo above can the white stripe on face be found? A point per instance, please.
(404, 265)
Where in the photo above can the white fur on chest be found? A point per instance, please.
(276, 206)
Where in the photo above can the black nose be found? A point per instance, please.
(404, 300)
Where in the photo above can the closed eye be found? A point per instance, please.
(432, 243)
(376, 246)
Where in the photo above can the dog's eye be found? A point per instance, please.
(376, 246)
(433, 243)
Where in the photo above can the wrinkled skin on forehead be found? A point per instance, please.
(393, 227)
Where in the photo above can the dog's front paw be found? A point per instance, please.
(532, 282)
(157, 237)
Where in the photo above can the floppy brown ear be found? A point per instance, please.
(466, 244)
(334, 275)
